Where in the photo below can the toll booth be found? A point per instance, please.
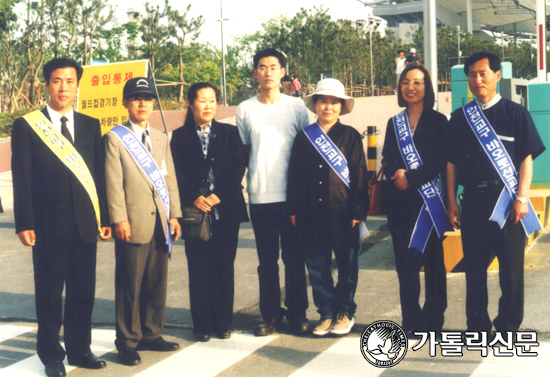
(515, 90)
(539, 107)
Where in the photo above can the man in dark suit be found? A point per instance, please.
(54, 214)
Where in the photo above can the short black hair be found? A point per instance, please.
(192, 96)
(400, 51)
(57, 63)
(494, 61)
(267, 53)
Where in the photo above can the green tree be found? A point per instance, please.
(87, 18)
(243, 52)
(184, 29)
(22, 52)
(155, 33)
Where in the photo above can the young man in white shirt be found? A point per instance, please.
(399, 65)
(267, 125)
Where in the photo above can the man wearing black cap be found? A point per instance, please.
(143, 201)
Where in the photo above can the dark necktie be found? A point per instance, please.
(65, 131)
(145, 141)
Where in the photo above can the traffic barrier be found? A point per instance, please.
(371, 148)
(452, 244)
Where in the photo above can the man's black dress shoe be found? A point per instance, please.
(269, 326)
(201, 337)
(224, 334)
(55, 369)
(129, 356)
(158, 344)
(301, 328)
(266, 328)
(87, 360)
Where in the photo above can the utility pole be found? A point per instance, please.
(458, 36)
(430, 44)
(541, 39)
(224, 87)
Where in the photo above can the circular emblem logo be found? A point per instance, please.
(384, 344)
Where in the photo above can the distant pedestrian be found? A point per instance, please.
(412, 59)
(287, 86)
(296, 87)
(399, 65)
(326, 202)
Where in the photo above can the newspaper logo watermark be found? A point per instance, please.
(503, 344)
(384, 344)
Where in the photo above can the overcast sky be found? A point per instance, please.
(245, 16)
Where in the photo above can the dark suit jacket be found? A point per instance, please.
(225, 156)
(403, 206)
(322, 203)
(48, 198)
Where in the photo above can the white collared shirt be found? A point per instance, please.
(56, 120)
(488, 105)
(491, 103)
(138, 131)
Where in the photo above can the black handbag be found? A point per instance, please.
(196, 224)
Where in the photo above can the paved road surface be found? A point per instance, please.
(281, 355)
(246, 355)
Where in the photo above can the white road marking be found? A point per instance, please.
(102, 343)
(209, 358)
(9, 331)
(516, 366)
(343, 358)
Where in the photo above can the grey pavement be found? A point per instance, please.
(377, 294)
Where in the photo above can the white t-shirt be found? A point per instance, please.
(270, 131)
(400, 64)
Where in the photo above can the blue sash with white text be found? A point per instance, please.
(335, 159)
(504, 166)
(147, 164)
(433, 212)
(329, 151)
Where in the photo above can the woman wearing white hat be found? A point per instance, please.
(327, 198)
